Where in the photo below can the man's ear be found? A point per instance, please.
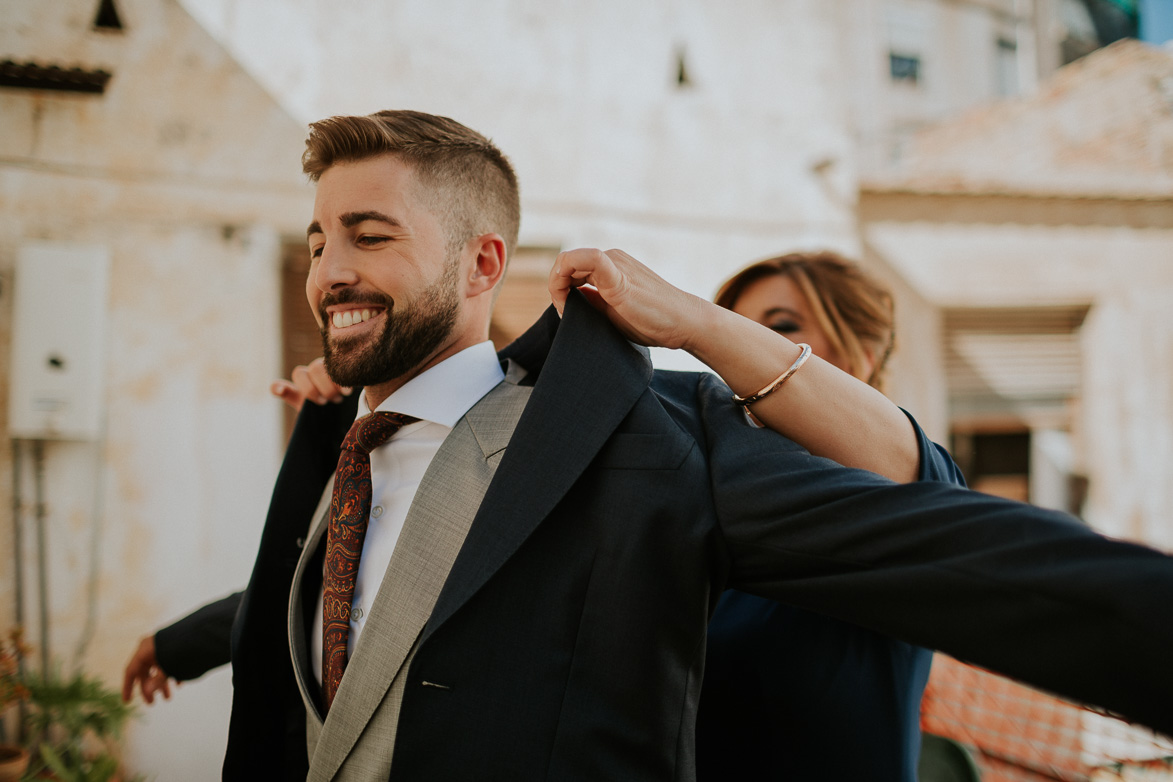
(489, 261)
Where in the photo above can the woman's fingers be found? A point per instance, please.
(309, 382)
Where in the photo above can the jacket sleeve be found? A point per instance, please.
(935, 462)
(198, 642)
(1028, 592)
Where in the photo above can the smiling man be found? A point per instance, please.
(414, 307)
(507, 574)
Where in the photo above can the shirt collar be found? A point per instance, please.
(445, 392)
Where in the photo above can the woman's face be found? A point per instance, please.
(777, 302)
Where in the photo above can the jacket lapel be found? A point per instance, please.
(588, 379)
(433, 533)
(298, 630)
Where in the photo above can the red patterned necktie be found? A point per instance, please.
(350, 509)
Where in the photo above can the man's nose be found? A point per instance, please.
(335, 269)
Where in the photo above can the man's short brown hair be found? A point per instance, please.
(467, 180)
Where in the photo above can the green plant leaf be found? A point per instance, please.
(55, 762)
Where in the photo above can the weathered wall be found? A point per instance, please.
(610, 150)
(1114, 255)
(1127, 416)
(187, 172)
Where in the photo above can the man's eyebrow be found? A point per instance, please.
(351, 219)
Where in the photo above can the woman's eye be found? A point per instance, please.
(785, 327)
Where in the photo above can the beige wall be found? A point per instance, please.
(185, 170)
(1112, 254)
(697, 181)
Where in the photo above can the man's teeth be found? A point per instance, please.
(350, 317)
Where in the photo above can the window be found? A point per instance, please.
(1006, 62)
(107, 17)
(909, 32)
(1013, 375)
(995, 462)
(904, 68)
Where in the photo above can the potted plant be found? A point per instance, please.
(14, 759)
(70, 723)
(75, 722)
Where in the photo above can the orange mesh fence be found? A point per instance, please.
(1021, 735)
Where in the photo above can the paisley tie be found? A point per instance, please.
(350, 509)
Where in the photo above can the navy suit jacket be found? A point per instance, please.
(787, 694)
(790, 694)
(570, 634)
(198, 642)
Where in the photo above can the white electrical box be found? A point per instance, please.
(55, 387)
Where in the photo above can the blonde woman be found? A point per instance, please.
(790, 694)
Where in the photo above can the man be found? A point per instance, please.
(546, 542)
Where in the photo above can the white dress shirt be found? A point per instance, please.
(439, 397)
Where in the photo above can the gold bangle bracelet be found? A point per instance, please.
(776, 384)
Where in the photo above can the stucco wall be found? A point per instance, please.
(610, 150)
(1113, 255)
(186, 171)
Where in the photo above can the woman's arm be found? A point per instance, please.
(822, 408)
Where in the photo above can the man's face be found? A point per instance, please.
(381, 283)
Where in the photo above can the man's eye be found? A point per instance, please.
(371, 241)
(315, 252)
(785, 327)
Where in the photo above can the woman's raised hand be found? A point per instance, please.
(641, 304)
(308, 382)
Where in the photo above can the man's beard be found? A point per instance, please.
(410, 335)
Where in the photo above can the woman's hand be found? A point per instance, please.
(822, 408)
(309, 382)
(143, 670)
(640, 303)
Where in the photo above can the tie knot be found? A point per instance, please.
(371, 431)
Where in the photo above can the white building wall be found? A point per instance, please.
(1124, 423)
(697, 181)
(1127, 419)
(187, 172)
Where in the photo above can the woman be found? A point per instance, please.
(790, 694)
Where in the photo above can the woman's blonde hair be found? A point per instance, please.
(852, 309)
